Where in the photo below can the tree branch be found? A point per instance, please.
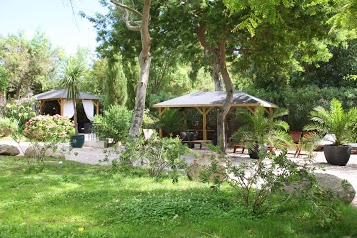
(202, 39)
(243, 50)
(145, 35)
(127, 22)
(118, 4)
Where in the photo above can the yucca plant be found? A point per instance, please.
(334, 121)
(73, 71)
(262, 130)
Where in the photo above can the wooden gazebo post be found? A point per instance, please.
(204, 111)
(161, 112)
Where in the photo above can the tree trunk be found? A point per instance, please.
(221, 130)
(144, 61)
(220, 55)
(140, 95)
(215, 73)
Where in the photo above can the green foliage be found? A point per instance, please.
(49, 128)
(149, 121)
(300, 101)
(72, 72)
(163, 208)
(255, 181)
(334, 121)
(29, 64)
(8, 126)
(114, 123)
(156, 155)
(64, 197)
(172, 121)
(3, 79)
(115, 88)
(345, 16)
(262, 129)
(20, 110)
(268, 183)
(338, 71)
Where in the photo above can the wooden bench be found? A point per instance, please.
(199, 142)
(235, 147)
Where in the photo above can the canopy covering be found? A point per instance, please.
(204, 102)
(215, 99)
(62, 94)
(67, 108)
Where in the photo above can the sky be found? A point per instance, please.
(53, 17)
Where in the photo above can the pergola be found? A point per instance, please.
(204, 102)
(61, 97)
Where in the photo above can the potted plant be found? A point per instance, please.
(260, 131)
(73, 71)
(338, 123)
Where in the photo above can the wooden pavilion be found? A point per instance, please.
(60, 96)
(204, 102)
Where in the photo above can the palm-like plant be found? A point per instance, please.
(334, 121)
(73, 71)
(263, 130)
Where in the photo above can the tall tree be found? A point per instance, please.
(144, 58)
(30, 63)
(115, 87)
(289, 35)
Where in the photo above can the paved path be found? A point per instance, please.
(91, 155)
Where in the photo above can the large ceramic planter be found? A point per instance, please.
(337, 155)
(77, 141)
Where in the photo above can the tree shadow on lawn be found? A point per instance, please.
(78, 195)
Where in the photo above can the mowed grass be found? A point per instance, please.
(58, 200)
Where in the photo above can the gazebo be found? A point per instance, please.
(204, 102)
(66, 106)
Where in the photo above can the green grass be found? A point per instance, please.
(55, 200)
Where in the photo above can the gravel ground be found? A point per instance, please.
(92, 155)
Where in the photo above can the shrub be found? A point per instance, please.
(172, 121)
(156, 155)
(21, 110)
(115, 123)
(300, 101)
(8, 126)
(49, 128)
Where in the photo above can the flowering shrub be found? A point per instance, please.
(8, 126)
(49, 128)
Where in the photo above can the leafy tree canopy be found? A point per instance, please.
(30, 64)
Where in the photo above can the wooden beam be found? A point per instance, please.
(96, 104)
(252, 110)
(41, 105)
(204, 111)
(61, 103)
(161, 113)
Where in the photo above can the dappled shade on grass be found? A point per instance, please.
(56, 199)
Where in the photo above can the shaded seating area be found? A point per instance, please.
(55, 102)
(207, 104)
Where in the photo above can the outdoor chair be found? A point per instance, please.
(186, 138)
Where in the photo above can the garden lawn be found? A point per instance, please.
(70, 199)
